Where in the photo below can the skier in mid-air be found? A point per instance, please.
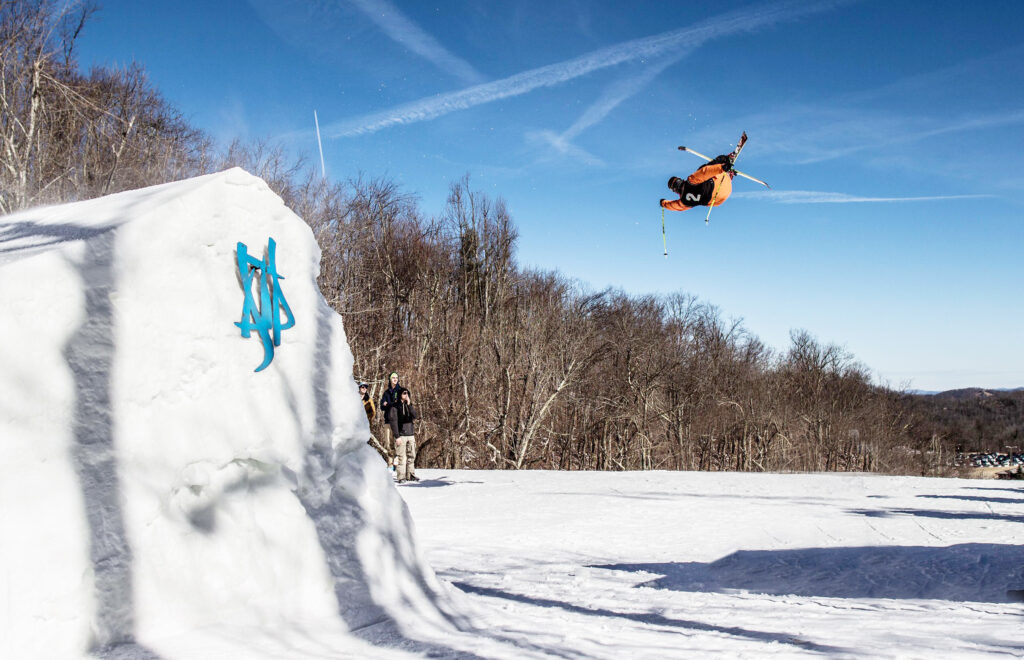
(709, 185)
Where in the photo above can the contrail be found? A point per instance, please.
(685, 39)
(619, 92)
(858, 135)
(562, 145)
(402, 30)
(610, 99)
(815, 197)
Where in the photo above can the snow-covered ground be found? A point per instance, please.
(675, 565)
(159, 498)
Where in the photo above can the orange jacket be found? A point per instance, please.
(721, 191)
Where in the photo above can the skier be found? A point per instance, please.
(710, 185)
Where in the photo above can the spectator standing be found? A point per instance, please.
(401, 416)
(368, 405)
(387, 400)
(371, 413)
(390, 396)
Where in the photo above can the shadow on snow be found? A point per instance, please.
(90, 357)
(981, 572)
(943, 515)
(654, 619)
(440, 482)
(976, 498)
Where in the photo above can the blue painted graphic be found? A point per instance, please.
(264, 318)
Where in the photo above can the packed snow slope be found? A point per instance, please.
(158, 496)
(665, 565)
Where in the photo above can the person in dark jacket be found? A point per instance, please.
(400, 417)
(390, 396)
(387, 400)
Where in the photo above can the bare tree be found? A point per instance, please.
(37, 40)
(64, 136)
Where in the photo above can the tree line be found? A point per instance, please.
(977, 420)
(67, 135)
(512, 368)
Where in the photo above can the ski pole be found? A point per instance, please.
(663, 239)
(712, 204)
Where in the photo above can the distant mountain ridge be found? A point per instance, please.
(968, 393)
(972, 418)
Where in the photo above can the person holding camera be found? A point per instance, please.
(400, 418)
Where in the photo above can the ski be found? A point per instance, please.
(739, 147)
(732, 159)
(742, 174)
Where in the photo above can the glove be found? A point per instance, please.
(724, 160)
(661, 202)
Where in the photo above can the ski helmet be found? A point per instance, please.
(675, 184)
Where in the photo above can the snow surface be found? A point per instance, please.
(157, 496)
(681, 564)
(160, 499)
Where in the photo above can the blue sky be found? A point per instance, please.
(891, 133)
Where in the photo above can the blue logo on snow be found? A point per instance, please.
(264, 317)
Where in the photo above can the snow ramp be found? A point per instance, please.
(159, 496)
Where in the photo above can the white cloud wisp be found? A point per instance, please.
(398, 27)
(661, 45)
(817, 197)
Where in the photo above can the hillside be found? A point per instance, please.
(972, 419)
(969, 393)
